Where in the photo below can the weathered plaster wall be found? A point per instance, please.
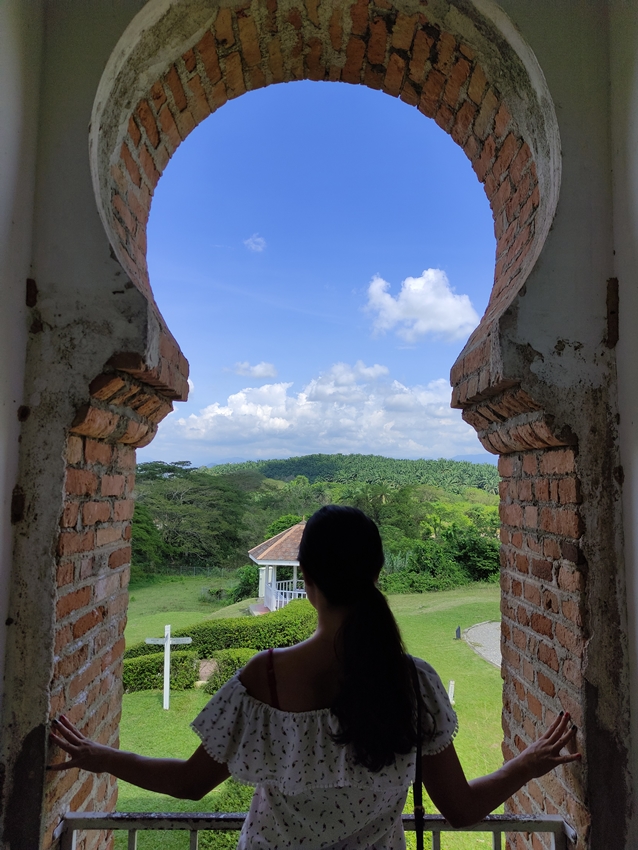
(624, 91)
(19, 72)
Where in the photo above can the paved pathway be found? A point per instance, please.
(485, 639)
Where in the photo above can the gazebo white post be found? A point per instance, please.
(294, 578)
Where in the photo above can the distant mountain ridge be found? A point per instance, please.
(451, 475)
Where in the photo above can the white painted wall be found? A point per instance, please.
(20, 38)
(624, 90)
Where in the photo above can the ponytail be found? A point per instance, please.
(376, 706)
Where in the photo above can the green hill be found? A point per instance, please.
(450, 475)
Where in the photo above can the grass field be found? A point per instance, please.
(428, 623)
(177, 602)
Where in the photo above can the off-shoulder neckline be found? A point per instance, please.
(262, 705)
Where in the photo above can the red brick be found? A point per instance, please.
(569, 639)
(487, 110)
(86, 677)
(571, 611)
(355, 52)
(70, 514)
(335, 29)
(403, 31)
(420, 55)
(572, 672)
(506, 466)
(86, 567)
(483, 163)
(234, 75)
(147, 120)
(208, 54)
(542, 625)
(377, 42)
(551, 548)
(123, 510)
(542, 569)
(545, 684)
(547, 654)
(431, 94)
(80, 482)
(550, 601)
(506, 154)
(106, 586)
(359, 17)
(463, 122)
(394, 75)
(73, 542)
(130, 165)
(517, 588)
(74, 449)
(97, 452)
(112, 485)
(177, 90)
(532, 593)
(530, 464)
(149, 167)
(316, 67)
(445, 48)
(535, 706)
(108, 534)
(169, 127)
(224, 28)
(477, 85)
(569, 491)
(119, 557)
(63, 637)
(459, 74)
(199, 103)
(86, 623)
(64, 573)
(530, 516)
(570, 579)
(502, 121)
(73, 601)
(249, 38)
(557, 462)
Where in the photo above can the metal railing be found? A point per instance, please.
(561, 833)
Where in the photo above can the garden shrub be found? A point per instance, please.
(229, 661)
(247, 586)
(290, 625)
(146, 673)
(231, 797)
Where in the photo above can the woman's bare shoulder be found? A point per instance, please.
(254, 676)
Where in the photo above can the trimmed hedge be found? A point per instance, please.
(229, 661)
(294, 623)
(146, 672)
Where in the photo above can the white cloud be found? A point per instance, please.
(255, 243)
(346, 409)
(191, 385)
(425, 305)
(259, 370)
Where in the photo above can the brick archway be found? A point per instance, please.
(172, 69)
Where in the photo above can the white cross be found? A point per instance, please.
(167, 640)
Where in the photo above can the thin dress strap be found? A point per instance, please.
(272, 682)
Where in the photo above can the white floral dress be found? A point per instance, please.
(309, 793)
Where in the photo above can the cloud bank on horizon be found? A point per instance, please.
(348, 408)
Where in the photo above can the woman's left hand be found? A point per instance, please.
(85, 754)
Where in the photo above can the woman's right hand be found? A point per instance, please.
(544, 754)
(85, 754)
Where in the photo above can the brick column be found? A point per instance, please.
(92, 575)
(543, 638)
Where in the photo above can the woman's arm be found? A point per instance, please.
(463, 803)
(187, 779)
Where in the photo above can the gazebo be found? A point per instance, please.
(282, 550)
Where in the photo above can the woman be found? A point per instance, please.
(327, 730)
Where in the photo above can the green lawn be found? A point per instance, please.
(428, 623)
(177, 603)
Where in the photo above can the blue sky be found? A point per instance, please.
(321, 253)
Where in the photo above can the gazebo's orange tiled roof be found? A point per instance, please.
(282, 547)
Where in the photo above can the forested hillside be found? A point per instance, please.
(451, 475)
(436, 534)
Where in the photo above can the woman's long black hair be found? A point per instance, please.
(341, 552)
